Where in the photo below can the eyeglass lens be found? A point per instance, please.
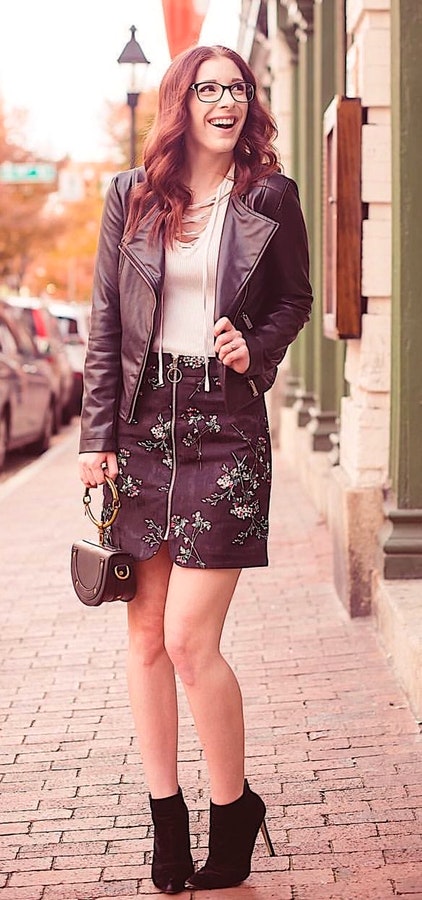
(211, 91)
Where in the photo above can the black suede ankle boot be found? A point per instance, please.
(172, 861)
(233, 831)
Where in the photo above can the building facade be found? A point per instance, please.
(344, 86)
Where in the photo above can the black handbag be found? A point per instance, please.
(101, 574)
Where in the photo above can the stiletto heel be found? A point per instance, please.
(233, 831)
(266, 835)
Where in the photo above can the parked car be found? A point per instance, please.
(43, 327)
(26, 390)
(73, 319)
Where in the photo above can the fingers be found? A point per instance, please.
(93, 467)
(227, 338)
(232, 350)
(111, 468)
(230, 346)
(91, 472)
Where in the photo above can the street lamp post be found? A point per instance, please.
(133, 55)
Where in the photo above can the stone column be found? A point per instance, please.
(328, 19)
(306, 341)
(403, 545)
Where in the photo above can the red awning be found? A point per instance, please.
(183, 20)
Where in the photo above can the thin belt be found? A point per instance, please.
(176, 367)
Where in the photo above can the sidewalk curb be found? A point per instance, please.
(32, 469)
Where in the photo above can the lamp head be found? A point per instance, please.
(132, 53)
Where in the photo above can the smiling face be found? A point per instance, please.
(215, 127)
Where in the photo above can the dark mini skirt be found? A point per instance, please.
(190, 473)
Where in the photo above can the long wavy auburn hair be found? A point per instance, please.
(163, 195)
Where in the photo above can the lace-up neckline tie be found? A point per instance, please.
(208, 210)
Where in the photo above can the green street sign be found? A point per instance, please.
(28, 173)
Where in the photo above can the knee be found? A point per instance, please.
(184, 659)
(146, 645)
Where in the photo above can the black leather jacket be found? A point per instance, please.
(262, 286)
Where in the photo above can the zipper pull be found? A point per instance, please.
(174, 374)
(253, 387)
(247, 320)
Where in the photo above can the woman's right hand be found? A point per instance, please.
(94, 466)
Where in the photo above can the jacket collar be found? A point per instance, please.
(246, 233)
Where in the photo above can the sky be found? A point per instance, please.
(58, 62)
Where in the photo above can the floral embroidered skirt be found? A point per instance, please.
(191, 474)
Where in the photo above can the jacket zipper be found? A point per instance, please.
(249, 324)
(244, 315)
(173, 446)
(257, 261)
(138, 267)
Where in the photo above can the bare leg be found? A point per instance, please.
(151, 680)
(196, 607)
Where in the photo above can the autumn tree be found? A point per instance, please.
(117, 126)
(24, 231)
(48, 241)
(65, 269)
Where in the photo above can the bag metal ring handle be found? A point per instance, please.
(115, 504)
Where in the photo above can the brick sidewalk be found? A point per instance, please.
(332, 744)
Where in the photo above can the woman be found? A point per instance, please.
(201, 284)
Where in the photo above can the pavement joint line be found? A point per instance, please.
(31, 470)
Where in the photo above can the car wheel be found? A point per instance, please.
(4, 433)
(67, 414)
(58, 415)
(43, 442)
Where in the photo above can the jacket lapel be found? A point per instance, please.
(245, 236)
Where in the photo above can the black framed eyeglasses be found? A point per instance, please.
(212, 91)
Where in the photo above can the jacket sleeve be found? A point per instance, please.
(288, 293)
(102, 364)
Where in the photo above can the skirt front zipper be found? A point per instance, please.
(174, 375)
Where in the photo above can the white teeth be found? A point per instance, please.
(222, 121)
